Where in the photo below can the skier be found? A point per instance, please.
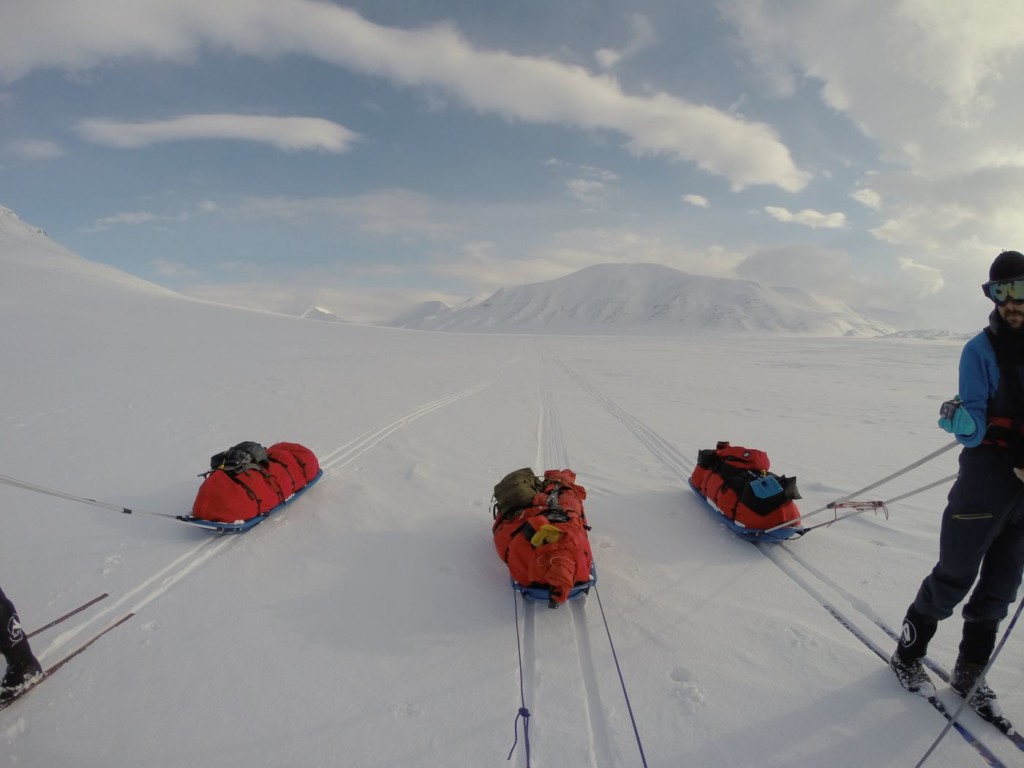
(23, 669)
(983, 523)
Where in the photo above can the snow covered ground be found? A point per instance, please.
(371, 623)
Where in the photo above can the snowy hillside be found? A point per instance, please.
(28, 256)
(649, 298)
(319, 313)
(371, 624)
(427, 312)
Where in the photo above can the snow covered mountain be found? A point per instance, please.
(31, 260)
(421, 315)
(319, 313)
(648, 298)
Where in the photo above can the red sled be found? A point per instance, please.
(248, 483)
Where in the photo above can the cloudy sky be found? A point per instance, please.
(369, 155)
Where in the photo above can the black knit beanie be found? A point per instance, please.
(1008, 265)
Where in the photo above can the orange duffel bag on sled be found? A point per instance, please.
(736, 482)
(540, 532)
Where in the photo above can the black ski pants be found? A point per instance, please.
(11, 633)
(982, 531)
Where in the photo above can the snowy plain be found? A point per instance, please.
(372, 624)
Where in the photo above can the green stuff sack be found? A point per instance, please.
(515, 491)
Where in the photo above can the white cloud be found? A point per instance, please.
(807, 217)
(599, 173)
(642, 37)
(963, 218)
(34, 149)
(76, 36)
(133, 218)
(937, 84)
(831, 274)
(800, 266)
(587, 191)
(171, 269)
(391, 213)
(928, 279)
(868, 197)
(286, 133)
(697, 200)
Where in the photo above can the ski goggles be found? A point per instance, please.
(1005, 290)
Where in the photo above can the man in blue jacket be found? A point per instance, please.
(22, 667)
(983, 524)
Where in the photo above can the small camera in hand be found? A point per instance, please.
(949, 407)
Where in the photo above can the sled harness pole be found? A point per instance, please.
(981, 679)
(864, 506)
(622, 682)
(893, 476)
(524, 713)
(71, 497)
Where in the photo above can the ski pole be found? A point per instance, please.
(981, 677)
(893, 476)
(71, 497)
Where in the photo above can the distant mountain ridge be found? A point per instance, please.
(604, 299)
(646, 298)
(319, 313)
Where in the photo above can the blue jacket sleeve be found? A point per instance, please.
(979, 380)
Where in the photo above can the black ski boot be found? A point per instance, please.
(964, 681)
(912, 676)
(915, 634)
(21, 675)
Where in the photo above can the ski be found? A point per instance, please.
(969, 737)
(986, 754)
(67, 615)
(49, 671)
(1001, 724)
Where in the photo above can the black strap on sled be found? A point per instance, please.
(248, 491)
(289, 473)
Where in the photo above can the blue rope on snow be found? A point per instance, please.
(625, 693)
(524, 713)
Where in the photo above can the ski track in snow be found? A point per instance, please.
(351, 451)
(666, 453)
(558, 652)
(192, 559)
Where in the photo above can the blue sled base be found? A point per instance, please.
(750, 534)
(244, 525)
(542, 593)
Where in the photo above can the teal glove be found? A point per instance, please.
(958, 421)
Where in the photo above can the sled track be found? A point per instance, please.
(196, 556)
(351, 451)
(554, 661)
(145, 592)
(551, 451)
(666, 453)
